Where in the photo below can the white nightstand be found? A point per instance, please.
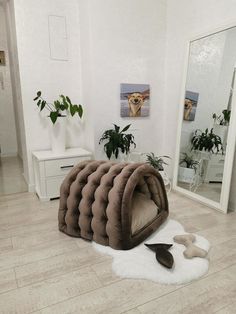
(50, 169)
(215, 168)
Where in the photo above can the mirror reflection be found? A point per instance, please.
(207, 109)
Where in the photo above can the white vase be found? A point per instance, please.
(122, 157)
(58, 135)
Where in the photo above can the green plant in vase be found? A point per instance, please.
(60, 107)
(117, 141)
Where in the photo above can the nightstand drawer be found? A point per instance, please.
(50, 169)
(214, 173)
(53, 186)
(62, 166)
(217, 159)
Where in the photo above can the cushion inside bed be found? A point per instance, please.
(144, 210)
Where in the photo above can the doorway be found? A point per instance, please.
(11, 119)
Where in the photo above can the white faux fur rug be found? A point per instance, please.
(140, 262)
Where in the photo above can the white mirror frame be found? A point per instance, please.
(231, 139)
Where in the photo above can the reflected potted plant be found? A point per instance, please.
(58, 110)
(187, 168)
(206, 141)
(221, 123)
(118, 142)
(222, 119)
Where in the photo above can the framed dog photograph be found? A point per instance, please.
(190, 105)
(134, 100)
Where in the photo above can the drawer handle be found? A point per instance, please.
(65, 167)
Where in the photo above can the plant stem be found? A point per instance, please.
(47, 105)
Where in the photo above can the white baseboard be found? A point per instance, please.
(231, 207)
(31, 187)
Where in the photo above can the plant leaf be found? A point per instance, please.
(53, 116)
(80, 111)
(43, 104)
(64, 102)
(39, 93)
(39, 103)
(126, 128)
(62, 107)
(57, 104)
(68, 99)
(117, 128)
(72, 110)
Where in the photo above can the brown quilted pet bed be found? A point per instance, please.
(115, 204)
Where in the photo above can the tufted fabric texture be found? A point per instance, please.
(96, 202)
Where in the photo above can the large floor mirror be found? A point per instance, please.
(207, 126)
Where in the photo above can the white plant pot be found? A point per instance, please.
(58, 135)
(121, 158)
(186, 174)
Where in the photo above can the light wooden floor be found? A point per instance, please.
(43, 271)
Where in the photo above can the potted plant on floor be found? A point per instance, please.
(187, 168)
(118, 142)
(158, 163)
(58, 110)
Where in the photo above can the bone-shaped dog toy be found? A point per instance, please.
(191, 249)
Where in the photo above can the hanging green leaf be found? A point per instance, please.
(53, 116)
(80, 111)
(68, 99)
(72, 110)
(62, 107)
(57, 104)
(64, 102)
(39, 103)
(43, 104)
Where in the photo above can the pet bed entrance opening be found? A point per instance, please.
(144, 209)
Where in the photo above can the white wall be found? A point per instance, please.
(187, 19)
(125, 43)
(39, 72)
(8, 141)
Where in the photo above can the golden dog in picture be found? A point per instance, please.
(188, 105)
(135, 102)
